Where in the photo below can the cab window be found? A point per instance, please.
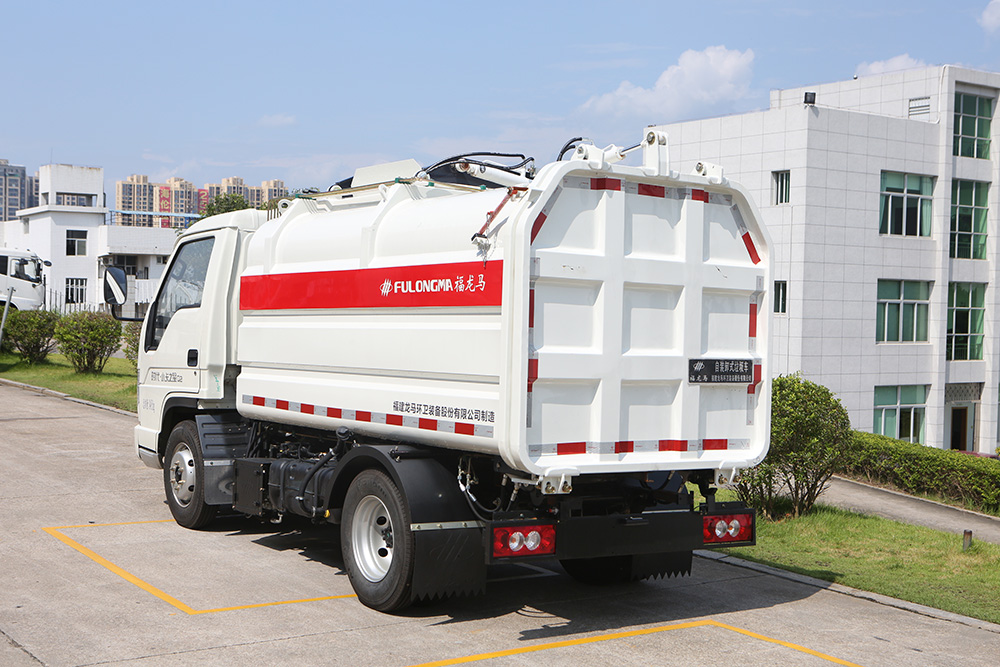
(182, 288)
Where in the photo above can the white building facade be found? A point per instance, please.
(881, 196)
(79, 243)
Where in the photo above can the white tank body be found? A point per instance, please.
(613, 319)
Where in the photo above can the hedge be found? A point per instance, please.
(88, 339)
(913, 468)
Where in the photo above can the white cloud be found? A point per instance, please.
(700, 80)
(894, 64)
(276, 120)
(990, 18)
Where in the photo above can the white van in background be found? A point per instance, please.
(22, 270)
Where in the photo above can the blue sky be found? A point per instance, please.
(307, 91)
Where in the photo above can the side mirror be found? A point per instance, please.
(115, 286)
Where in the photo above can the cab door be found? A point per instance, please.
(184, 339)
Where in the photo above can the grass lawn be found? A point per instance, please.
(873, 554)
(114, 387)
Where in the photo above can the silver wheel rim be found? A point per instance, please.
(181, 474)
(371, 537)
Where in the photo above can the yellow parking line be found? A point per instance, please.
(153, 590)
(630, 633)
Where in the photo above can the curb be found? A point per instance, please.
(917, 498)
(884, 600)
(67, 397)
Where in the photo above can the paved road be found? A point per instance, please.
(94, 572)
(867, 499)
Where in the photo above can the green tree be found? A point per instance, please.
(88, 339)
(31, 332)
(810, 433)
(225, 203)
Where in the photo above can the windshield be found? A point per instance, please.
(26, 269)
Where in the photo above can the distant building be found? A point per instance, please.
(13, 186)
(69, 228)
(881, 197)
(178, 196)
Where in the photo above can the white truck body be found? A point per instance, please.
(606, 322)
(22, 270)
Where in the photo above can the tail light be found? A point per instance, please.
(534, 540)
(723, 528)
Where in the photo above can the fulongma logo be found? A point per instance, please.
(414, 286)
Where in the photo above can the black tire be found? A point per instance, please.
(184, 477)
(377, 543)
(602, 571)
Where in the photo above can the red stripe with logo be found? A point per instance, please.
(424, 285)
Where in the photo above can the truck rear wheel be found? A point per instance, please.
(377, 542)
(184, 477)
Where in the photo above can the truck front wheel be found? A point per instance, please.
(184, 477)
(377, 542)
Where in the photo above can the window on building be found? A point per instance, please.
(966, 312)
(780, 296)
(127, 263)
(76, 290)
(76, 242)
(902, 311)
(972, 125)
(899, 412)
(905, 207)
(782, 186)
(968, 219)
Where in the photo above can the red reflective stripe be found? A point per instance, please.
(652, 190)
(429, 424)
(748, 242)
(753, 319)
(606, 184)
(362, 416)
(757, 373)
(333, 412)
(624, 447)
(465, 429)
(571, 448)
(714, 444)
(537, 227)
(258, 400)
(532, 372)
(673, 445)
(422, 285)
(305, 408)
(394, 420)
(531, 308)
(281, 405)
(699, 195)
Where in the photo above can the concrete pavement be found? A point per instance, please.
(865, 499)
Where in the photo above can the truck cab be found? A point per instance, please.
(22, 271)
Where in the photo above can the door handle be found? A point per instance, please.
(192, 358)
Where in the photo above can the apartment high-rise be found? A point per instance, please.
(13, 189)
(881, 196)
(137, 200)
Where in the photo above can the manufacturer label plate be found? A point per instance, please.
(720, 371)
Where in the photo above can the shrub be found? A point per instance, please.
(915, 468)
(810, 431)
(30, 333)
(88, 340)
(130, 343)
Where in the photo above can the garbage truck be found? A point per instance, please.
(471, 363)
